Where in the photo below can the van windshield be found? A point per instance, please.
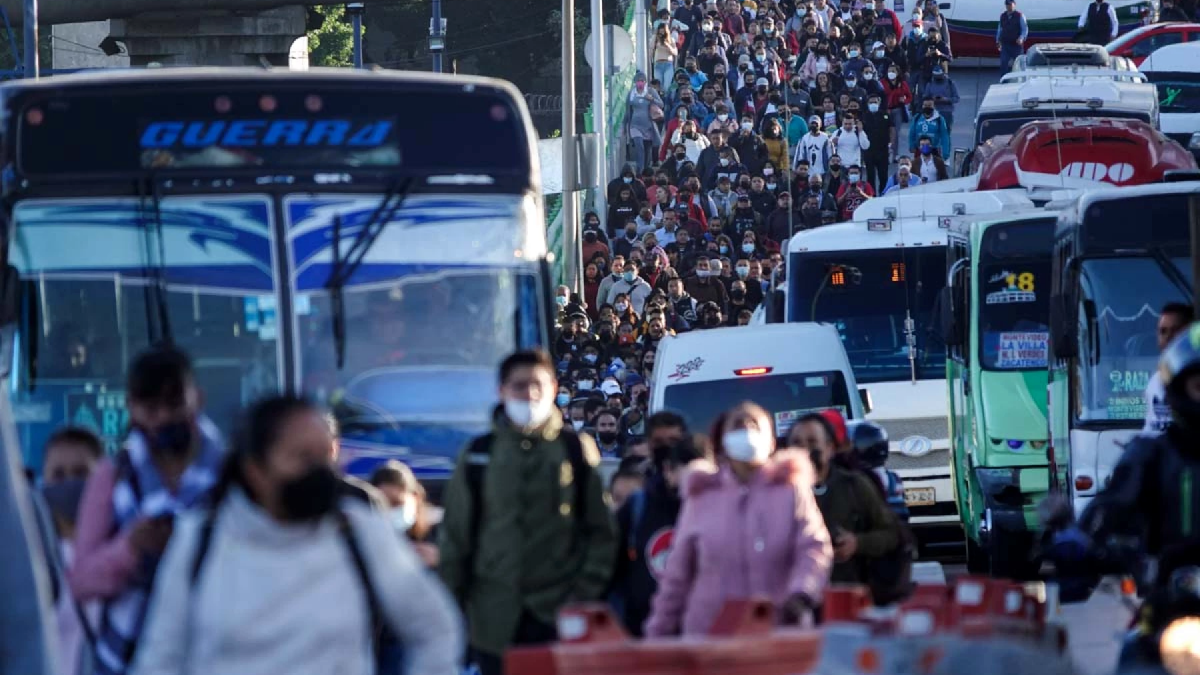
(787, 397)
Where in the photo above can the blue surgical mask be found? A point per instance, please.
(853, 53)
(747, 248)
(743, 272)
(873, 107)
(630, 276)
(926, 149)
(562, 400)
(591, 358)
(561, 300)
(724, 250)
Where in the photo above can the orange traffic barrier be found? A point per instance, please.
(744, 640)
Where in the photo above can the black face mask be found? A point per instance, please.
(712, 320)
(172, 439)
(311, 495)
(818, 460)
(589, 237)
(737, 295)
(606, 437)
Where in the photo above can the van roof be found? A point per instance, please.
(716, 354)
(1179, 58)
(1060, 91)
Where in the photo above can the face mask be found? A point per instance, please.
(892, 76)
(562, 400)
(681, 155)
(405, 516)
(173, 439)
(682, 115)
(818, 460)
(311, 495)
(926, 149)
(854, 53)
(879, 53)
(724, 162)
(63, 497)
(708, 27)
(835, 168)
(622, 307)
(760, 57)
(928, 112)
(745, 445)
(606, 437)
(630, 276)
(771, 186)
(561, 300)
(747, 248)
(939, 73)
(813, 127)
(627, 179)
(641, 86)
(747, 126)
(873, 107)
(801, 11)
(577, 424)
(529, 414)
(712, 320)
(591, 358)
(853, 177)
(691, 69)
(724, 251)
(722, 116)
(738, 295)
(590, 237)
(868, 76)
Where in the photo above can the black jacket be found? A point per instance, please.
(642, 552)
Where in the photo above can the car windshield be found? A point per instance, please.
(867, 294)
(1014, 295)
(1009, 123)
(1117, 342)
(1177, 93)
(786, 397)
(90, 301)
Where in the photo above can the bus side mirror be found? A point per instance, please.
(864, 395)
(951, 328)
(1063, 327)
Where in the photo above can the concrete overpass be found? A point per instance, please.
(185, 32)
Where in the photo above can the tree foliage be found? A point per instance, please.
(332, 43)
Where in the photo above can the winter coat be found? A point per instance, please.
(735, 540)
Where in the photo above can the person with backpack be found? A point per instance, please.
(285, 573)
(526, 527)
(869, 446)
(646, 525)
(169, 462)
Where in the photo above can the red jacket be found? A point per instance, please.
(898, 95)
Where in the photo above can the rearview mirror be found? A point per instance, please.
(864, 395)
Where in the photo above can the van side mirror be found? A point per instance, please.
(1064, 327)
(864, 395)
(950, 326)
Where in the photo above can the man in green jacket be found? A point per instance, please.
(540, 535)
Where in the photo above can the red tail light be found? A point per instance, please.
(757, 370)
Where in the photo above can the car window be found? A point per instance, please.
(1155, 42)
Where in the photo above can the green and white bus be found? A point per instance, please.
(996, 314)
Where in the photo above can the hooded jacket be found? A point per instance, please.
(735, 540)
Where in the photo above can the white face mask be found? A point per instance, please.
(722, 116)
(746, 445)
(403, 517)
(577, 424)
(528, 414)
(747, 126)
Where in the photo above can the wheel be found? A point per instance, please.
(977, 558)
(1011, 555)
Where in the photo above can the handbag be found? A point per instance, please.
(656, 112)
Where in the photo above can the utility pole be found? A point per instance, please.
(355, 10)
(600, 106)
(437, 36)
(641, 40)
(570, 219)
(31, 39)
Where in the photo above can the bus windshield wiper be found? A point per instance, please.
(156, 290)
(1177, 279)
(343, 267)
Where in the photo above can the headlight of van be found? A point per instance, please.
(1194, 144)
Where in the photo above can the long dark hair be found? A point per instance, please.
(258, 429)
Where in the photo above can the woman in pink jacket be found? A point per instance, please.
(750, 527)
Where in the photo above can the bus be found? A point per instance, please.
(339, 233)
(877, 279)
(1119, 256)
(996, 309)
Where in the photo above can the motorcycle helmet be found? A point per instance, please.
(1179, 361)
(869, 442)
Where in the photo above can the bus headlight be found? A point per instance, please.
(1194, 143)
(1180, 646)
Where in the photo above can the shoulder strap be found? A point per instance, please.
(478, 457)
(203, 542)
(346, 530)
(126, 470)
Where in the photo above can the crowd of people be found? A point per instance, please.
(190, 551)
(803, 106)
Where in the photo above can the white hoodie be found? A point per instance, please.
(849, 146)
(286, 598)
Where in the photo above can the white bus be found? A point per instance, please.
(876, 279)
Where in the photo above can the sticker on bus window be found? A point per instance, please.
(1016, 287)
(685, 369)
(1023, 350)
(786, 419)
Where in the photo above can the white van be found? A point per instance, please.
(1175, 71)
(790, 369)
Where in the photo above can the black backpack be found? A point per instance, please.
(479, 457)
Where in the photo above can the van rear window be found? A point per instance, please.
(787, 397)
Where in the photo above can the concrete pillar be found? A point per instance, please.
(212, 38)
(77, 45)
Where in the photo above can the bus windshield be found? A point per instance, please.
(867, 294)
(1014, 296)
(98, 275)
(1117, 341)
(787, 397)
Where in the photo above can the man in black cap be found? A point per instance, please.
(1011, 35)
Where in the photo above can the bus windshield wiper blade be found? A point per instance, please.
(156, 289)
(342, 268)
(1172, 272)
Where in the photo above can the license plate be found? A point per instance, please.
(922, 496)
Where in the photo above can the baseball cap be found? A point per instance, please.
(762, 82)
(815, 118)
(610, 388)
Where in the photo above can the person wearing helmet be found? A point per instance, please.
(869, 443)
(1152, 503)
